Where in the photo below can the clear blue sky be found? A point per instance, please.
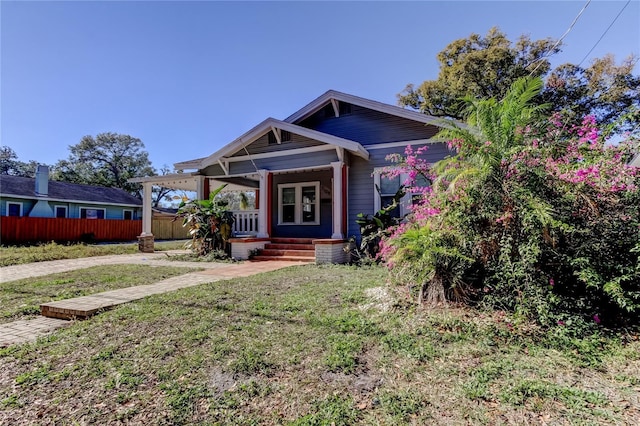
(188, 77)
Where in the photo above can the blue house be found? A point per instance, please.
(313, 172)
(40, 197)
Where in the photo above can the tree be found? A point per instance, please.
(109, 159)
(604, 90)
(485, 67)
(10, 165)
(478, 67)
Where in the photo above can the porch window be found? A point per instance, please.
(298, 203)
(87, 213)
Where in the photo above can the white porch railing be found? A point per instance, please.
(246, 222)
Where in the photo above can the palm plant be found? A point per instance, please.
(209, 222)
(494, 132)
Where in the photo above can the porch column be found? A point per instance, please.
(263, 213)
(337, 201)
(202, 188)
(147, 189)
(145, 239)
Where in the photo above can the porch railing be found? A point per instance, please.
(246, 222)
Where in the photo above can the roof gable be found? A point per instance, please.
(333, 97)
(271, 124)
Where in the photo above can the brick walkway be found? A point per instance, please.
(83, 307)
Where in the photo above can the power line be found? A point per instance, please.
(562, 38)
(605, 31)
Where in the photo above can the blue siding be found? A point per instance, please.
(369, 127)
(361, 190)
(323, 230)
(73, 209)
(261, 145)
(27, 205)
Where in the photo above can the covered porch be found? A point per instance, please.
(303, 204)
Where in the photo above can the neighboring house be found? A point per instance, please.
(39, 197)
(314, 171)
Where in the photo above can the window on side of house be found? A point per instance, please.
(298, 203)
(389, 187)
(127, 214)
(61, 211)
(14, 209)
(92, 213)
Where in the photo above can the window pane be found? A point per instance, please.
(288, 195)
(61, 212)
(421, 181)
(309, 213)
(288, 214)
(100, 214)
(128, 215)
(14, 209)
(387, 201)
(308, 194)
(389, 186)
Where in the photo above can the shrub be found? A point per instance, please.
(529, 217)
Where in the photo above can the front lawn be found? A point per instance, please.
(17, 255)
(313, 345)
(21, 299)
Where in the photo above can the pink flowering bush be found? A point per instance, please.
(527, 216)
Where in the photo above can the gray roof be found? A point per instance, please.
(22, 187)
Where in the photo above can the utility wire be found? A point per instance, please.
(605, 32)
(561, 38)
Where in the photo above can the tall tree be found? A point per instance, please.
(478, 67)
(109, 159)
(485, 67)
(10, 165)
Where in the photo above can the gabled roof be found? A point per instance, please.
(332, 95)
(22, 187)
(272, 123)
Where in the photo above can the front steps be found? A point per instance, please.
(289, 249)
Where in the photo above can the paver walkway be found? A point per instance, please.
(81, 307)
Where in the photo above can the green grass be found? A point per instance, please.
(22, 298)
(17, 255)
(309, 345)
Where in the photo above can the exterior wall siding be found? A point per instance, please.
(369, 127)
(262, 145)
(73, 209)
(361, 189)
(27, 205)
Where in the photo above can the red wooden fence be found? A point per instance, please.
(16, 230)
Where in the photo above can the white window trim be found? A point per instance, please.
(406, 202)
(93, 208)
(298, 206)
(55, 210)
(128, 210)
(17, 203)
